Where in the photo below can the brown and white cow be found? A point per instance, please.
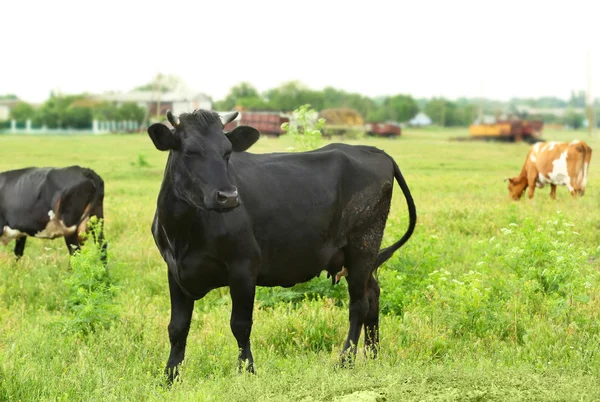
(554, 163)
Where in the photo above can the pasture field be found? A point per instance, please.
(490, 300)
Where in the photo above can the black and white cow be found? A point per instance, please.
(226, 217)
(49, 203)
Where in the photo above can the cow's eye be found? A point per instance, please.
(227, 156)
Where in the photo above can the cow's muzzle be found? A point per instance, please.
(228, 198)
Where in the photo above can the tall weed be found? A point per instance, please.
(90, 290)
(304, 128)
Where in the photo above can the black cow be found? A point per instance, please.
(226, 217)
(50, 203)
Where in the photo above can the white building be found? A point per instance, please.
(421, 119)
(159, 102)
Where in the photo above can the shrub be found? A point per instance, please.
(141, 161)
(90, 289)
(304, 128)
(528, 275)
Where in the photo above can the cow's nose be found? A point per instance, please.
(228, 199)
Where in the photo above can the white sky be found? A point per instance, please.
(424, 48)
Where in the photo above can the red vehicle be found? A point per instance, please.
(268, 123)
(532, 128)
(384, 129)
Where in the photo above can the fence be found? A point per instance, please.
(98, 127)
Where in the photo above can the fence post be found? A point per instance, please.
(13, 126)
(28, 125)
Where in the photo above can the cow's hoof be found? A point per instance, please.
(346, 362)
(171, 374)
(245, 365)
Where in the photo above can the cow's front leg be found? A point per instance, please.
(531, 182)
(553, 191)
(20, 246)
(242, 285)
(182, 307)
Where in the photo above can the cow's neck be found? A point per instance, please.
(521, 181)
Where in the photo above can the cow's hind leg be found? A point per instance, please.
(360, 258)
(20, 246)
(360, 265)
(72, 242)
(372, 319)
(182, 308)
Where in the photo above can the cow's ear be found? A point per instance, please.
(243, 137)
(162, 137)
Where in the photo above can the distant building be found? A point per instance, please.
(5, 106)
(159, 102)
(554, 111)
(421, 119)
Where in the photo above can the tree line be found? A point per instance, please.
(403, 107)
(78, 111)
(75, 111)
(398, 108)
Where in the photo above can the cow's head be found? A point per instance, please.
(516, 187)
(198, 164)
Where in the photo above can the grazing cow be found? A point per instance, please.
(49, 203)
(556, 163)
(226, 217)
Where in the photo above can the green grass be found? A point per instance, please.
(490, 299)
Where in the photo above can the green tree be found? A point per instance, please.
(65, 111)
(573, 119)
(465, 114)
(22, 111)
(400, 108)
(254, 103)
(442, 112)
(335, 98)
(577, 99)
(130, 111)
(78, 117)
(107, 111)
(292, 95)
(52, 112)
(243, 92)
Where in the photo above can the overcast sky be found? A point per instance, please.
(424, 48)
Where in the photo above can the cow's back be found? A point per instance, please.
(287, 184)
(561, 163)
(302, 206)
(27, 196)
(20, 190)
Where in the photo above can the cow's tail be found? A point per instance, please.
(94, 185)
(387, 252)
(586, 151)
(58, 211)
